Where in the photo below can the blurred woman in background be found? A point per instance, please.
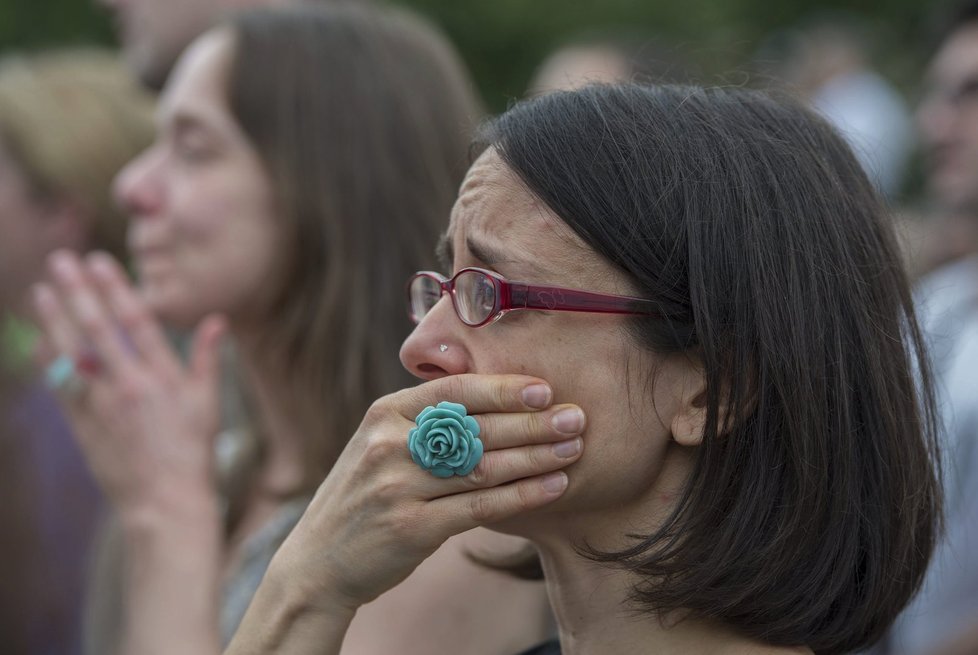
(69, 121)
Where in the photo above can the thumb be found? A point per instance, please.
(205, 352)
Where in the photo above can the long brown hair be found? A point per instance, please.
(362, 116)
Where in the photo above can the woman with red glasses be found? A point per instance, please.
(702, 290)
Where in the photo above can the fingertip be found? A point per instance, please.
(101, 264)
(212, 329)
(554, 484)
(537, 395)
(61, 259)
(207, 341)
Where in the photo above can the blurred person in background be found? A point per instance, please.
(948, 303)
(306, 160)
(69, 121)
(609, 58)
(826, 62)
(947, 121)
(153, 33)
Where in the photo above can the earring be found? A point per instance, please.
(443, 347)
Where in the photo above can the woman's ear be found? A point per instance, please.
(689, 421)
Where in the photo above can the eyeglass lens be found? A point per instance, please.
(475, 296)
(425, 292)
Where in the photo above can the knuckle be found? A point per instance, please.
(388, 490)
(379, 448)
(374, 412)
(535, 423)
(131, 393)
(483, 508)
(482, 474)
(380, 410)
(92, 323)
(534, 459)
(409, 530)
(457, 387)
(524, 498)
(132, 317)
(502, 394)
(136, 388)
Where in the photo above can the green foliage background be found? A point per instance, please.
(503, 40)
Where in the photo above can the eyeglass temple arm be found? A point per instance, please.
(525, 296)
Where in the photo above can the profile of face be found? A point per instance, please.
(589, 359)
(948, 121)
(154, 33)
(203, 231)
(32, 226)
(21, 223)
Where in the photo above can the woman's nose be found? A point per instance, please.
(437, 348)
(138, 188)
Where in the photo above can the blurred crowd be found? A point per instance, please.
(269, 173)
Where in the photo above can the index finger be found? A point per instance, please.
(480, 393)
(131, 312)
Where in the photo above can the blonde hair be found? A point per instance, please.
(72, 119)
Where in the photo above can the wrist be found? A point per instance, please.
(289, 614)
(180, 516)
(302, 593)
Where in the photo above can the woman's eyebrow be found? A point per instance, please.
(445, 252)
(492, 257)
(483, 252)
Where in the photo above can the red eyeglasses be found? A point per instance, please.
(481, 297)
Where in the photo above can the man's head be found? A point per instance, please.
(153, 33)
(948, 115)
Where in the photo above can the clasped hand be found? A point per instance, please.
(145, 421)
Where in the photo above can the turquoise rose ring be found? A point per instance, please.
(62, 375)
(446, 441)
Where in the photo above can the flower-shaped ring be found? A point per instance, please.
(446, 441)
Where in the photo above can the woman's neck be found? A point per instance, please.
(282, 434)
(591, 600)
(594, 615)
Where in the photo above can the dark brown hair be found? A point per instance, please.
(812, 519)
(362, 116)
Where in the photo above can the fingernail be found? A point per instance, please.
(537, 395)
(555, 482)
(569, 420)
(61, 263)
(100, 263)
(569, 448)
